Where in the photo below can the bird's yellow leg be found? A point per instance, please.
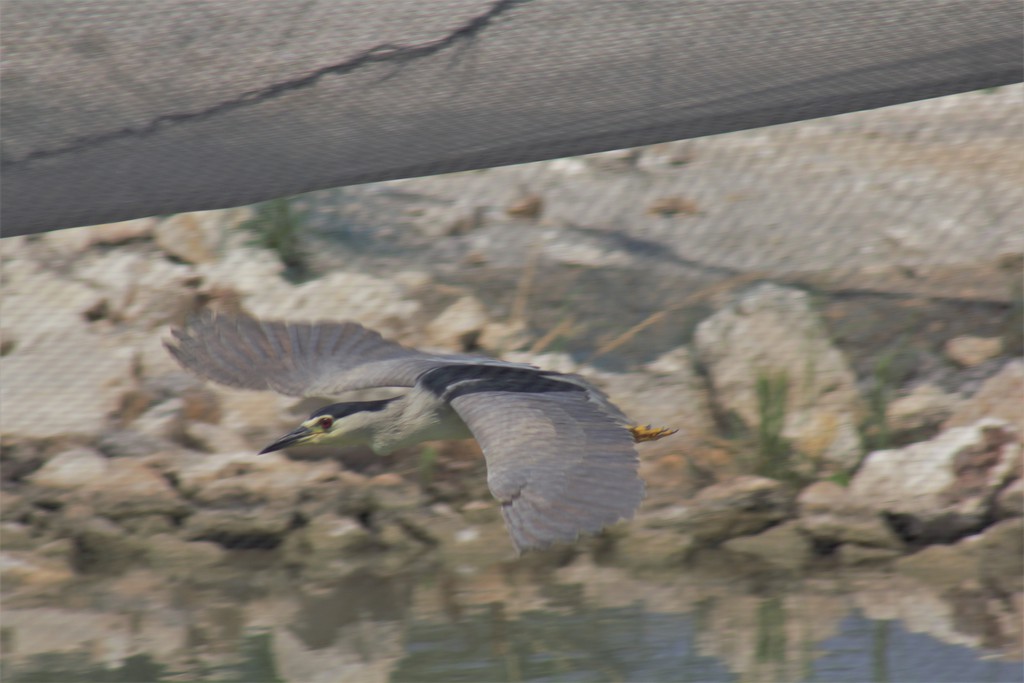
(649, 433)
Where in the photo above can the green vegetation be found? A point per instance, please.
(875, 430)
(427, 466)
(278, 226)
(774, 452)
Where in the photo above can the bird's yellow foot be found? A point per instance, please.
(649, 433)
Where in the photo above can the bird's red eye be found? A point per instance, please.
(326, 422)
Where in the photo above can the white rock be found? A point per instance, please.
(247, 270)
(999, 397)
(374, 302)
(459, 325)
(942, 487)
(970, 351)
(138, 288)
(773, 331)
(38, 304)
(925, 405)
(61, 386)
(164, 420)
(72, 469)
(192, 237)
(677, 400)
(131, 489)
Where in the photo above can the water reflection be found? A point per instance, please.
(511, 622)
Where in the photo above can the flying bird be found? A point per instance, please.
(560, 456)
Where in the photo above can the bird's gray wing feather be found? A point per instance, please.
(297, 359)
(556, 460)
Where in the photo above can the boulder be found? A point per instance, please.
(132, 489)
(459, 326)
(137, 287)
(924, 407)
(72, 469)
(784, 545)
(945, 566)
(61, 386)
(1000, 551)
(745, 505)
(942, 489)
(668, 394)
(102, 546)
(1010, 501)
(969, 351)
(829, 515)
(29, 313)
(327, 539)
(73, 241)
(378, 303)
(772, 333)
(999, 397)
(29, 574)
(262, 526)
(172, 555)
(191, 237)
(852, 555)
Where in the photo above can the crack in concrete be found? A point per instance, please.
(386, 52)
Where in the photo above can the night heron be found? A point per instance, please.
(560, 456)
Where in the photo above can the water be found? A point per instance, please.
(511, 622)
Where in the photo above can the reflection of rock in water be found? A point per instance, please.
(511, 622)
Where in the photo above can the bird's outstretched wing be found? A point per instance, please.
(560, 462)
(297, 359)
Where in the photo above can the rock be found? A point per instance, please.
(28, 574)
(103, 547)
(783, 545)
(852, 555)
(529, 207)
(671, 206)
(72, 469)
(327, 539)
(77, 240)
(1001, 555)
(213, 438)
(970, 351)
(675, 399)
(946, 566)
(653, 549)
(377, 303)
(253, 500)
(16, 536)
(245, 270)
(925, 407)
(29, 313)
(999, 397)
(942, 489)
(251, 527)
(772, 333)
(499, 337)
(127, 443)
(1010, 501)
(191, 237)
(138, 288)
(830, 516)
(259, 416)
(86, 375)
(131, 489)
(249, 479)
(745, 505)
(172, 555)
(163, 422)
(459, 326)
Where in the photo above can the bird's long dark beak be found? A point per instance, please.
(293, 437)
